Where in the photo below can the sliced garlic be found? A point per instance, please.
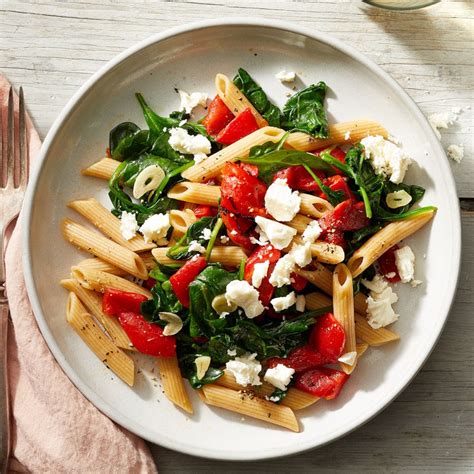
(221, 305)
(202, 364)
(175, 324)
(398, 199)
(148, 180)
(348, 358)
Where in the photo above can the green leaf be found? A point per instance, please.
(277, 395)
(121, 133)
(163, 299)
(304, 111)
(210, 376)
(334, 197)
(212, 240)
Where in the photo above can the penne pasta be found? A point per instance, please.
(300, 222)
(361, 348)
(249, 405)
(180, 221)
(108, 224)
(212, 165)
(314, 206)
(343, 309)
(339, 133)
(99, 281)
(227, 256)
(114, 359)
(235, 100)
(104, 248)
(173, 383)
(196, 193)
(102, 169)
(103, 266)
(323, 251)
(385, 238)
(93, 302)
(373, 337)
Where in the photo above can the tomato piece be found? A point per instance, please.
(218, 116)
(243, 193)
(322, 382)
(328, 337)
(149, 283)
(252, 170)
(147, 337)
(388, 265)
(238, 228)
(201, 210)
(338, 183)
(298, 282)
(115, 302)
(334, 236)
(346, 216)
(298, 178)
(262, 254)
(301, 359)
(241, 126)
(184, 276)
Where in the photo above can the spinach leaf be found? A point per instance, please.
(189, 370)
(304, 111)
(211, 375)
(163, 299)
(215, 232)
(118, 134)
(334, 197)
(296, 325)
(252, 338)
(255, 94)
(277, 395)
(162, 273)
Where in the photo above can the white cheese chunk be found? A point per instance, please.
(283, 302)
(279, 376)
(280, 202)
(312, 232)
(245, 296)
(300, 303)
(285, 266)
(386, 158)
(232, 352)
(286, 76)
(379, 308)
(195, 246)
(128, 225)
(245, 369)
(347, 135)
(197, 145)
(190, 101)
(280, 235)
(405, 262)
(377, 285)
(260, 271)
(224, 239)
(348, 358)
(456, 153)
(155, 228)
(206, 234)
(301, 254)
(443, 120)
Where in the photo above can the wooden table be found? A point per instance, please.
(52, 47)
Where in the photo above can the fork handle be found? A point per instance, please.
(4, 399)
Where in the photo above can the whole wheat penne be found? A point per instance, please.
(373, 337)
(323, 251)
(117, 361)
(249, 405)
(213, 164)
(104, 248)
(361, 347)
(196, 193)
(180, 221)
(227, 256)
(102, 169)
(99, 281)
(95, 263)
(93, 302)
(108, 224)
(235, 100)
(300, 222)
(173, 383)
(339, 133)
(385, 238)
(343, 309)
(314, 206)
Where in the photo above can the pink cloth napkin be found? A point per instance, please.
(54, 428)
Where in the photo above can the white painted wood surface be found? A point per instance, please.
(52, 47)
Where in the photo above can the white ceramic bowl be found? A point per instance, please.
(189, 57)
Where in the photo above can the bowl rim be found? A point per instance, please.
(27, 215)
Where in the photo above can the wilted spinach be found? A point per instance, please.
(163, 299)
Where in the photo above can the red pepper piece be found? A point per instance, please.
(115, 302)
(201, 210)
(244, 124)
(298, 282)
(388, 266)
(328, 337)
(218, 116)
(298, 178)
(184, 276)
(322, 382)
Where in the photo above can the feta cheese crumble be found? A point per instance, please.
(312, 232)
(195, 246)
(128, 225)
(386, 158)
(280, 202)
(347, 135)
(285, 266)
(206, 234)
(279, 376)
(456, 153)
(300, 303)
(190, 101)
(245, 369)
(283, 302)
(280, 235)
(301, 254)
(286, 76)
(155, 228)
(379, 304)
(245, 296)
(443, 120)
(224, 239)
(197, 145)
(231, 352)
(260, 271)
(405, 262)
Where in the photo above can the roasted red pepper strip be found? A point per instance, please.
(218, 116)
(337, 183)
(388, 266)
(328, 337)
(184, 276)
(300, 359)
(321, 382)
(115, 302)
(298, 282)
(201, 210)
(298, 178)
(244, 124)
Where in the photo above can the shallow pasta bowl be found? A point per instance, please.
(176, 59)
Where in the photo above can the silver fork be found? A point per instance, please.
(13, 181)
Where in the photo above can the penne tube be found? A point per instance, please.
(249, 405)
(235, 100)
(180, 221)
(114, 359)
(102, 169)
(385, 238)
(339, 133)
(321, 277)
(314, 206)
(93, 302)
(373, 337)
(104, 248)
(173, 383)
(300, 222)
(99, 281)
(213, 164)
(323, 251)
(295, 399)
(108, 224)
(228, 256)
(343, 309)
(361, 348)
(196, 193)
(103, 266)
